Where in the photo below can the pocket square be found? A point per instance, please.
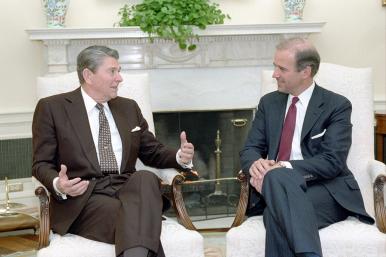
(136, 129)
(319, 135)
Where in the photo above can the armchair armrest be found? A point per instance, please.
(167, 175)
(44, 233)
(377, 171)
(243, 201)
(179, 204)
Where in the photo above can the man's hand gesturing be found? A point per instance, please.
(72, 187)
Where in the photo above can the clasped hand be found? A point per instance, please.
(72, 187)
(258, 170)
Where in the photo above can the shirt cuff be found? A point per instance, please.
(183, 165)
(54, 182)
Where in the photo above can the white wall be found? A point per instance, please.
(355, 35)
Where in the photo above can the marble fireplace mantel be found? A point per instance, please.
(219, 45)
(222, 73)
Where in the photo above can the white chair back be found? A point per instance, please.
(134, 86)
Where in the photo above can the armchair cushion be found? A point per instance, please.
(348, 238)
(176, 241)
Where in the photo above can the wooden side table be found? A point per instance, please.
(380, 117)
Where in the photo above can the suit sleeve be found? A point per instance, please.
(44, 146)
(151, 151)
(256, 145)
(328, 154)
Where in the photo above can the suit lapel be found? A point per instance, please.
(277, 118)
(122, 122)
(314, 110)
(76, 112)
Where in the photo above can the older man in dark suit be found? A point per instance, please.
(295, 155)
(85, 146)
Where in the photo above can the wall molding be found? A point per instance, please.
(17, 125)
(379, 105)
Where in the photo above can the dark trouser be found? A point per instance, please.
(295, 212)
(124, 210)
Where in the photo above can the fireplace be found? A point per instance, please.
(203, 128)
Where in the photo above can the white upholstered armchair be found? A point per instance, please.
(349, 238)
(177, 241)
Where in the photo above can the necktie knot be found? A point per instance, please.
(99, 106)
(295, 99)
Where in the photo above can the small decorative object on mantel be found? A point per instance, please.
(55, 12)
(293, 10)
(172, 19)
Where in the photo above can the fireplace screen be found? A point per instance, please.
(218, 136)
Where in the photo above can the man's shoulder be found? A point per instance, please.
(61, 96)
(273, 96)
(124, 101)
(331, 96)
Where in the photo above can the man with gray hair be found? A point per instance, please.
(85, 146)
(295, 156)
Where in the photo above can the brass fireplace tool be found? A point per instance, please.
(7, 208)
(217, 197)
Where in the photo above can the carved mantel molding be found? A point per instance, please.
(218, 45)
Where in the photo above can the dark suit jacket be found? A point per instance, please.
(324, 157)
(62, 135)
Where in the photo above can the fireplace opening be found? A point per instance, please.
(218, 137)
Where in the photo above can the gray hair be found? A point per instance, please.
(305, 53)
(92, 57)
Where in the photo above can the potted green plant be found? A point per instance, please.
(172, 19)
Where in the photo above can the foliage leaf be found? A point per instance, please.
(172, 19)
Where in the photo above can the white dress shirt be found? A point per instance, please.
(301, 108)
(93, 119)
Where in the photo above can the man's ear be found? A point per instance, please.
(307, 72)
(87, 75)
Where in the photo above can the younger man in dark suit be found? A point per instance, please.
(85, 146)
(295, 155)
